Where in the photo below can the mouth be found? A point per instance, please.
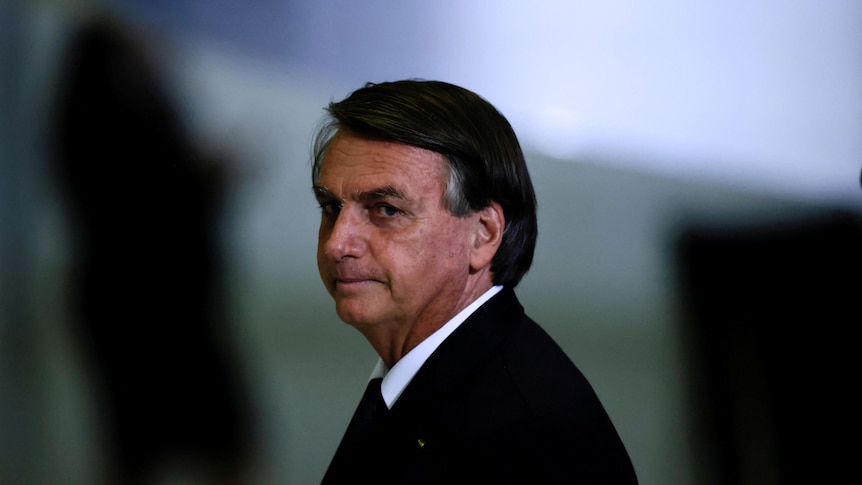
(353, 283)
(346, 279)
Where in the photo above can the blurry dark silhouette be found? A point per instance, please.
(147, 279)
(771, 315)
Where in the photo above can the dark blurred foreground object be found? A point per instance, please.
(772, 314)
(147, 289)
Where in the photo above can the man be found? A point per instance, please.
(428, 222)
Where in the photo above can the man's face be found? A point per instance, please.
(388, 251)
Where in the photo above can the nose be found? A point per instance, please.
(344, 238)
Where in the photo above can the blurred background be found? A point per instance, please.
(697, 166)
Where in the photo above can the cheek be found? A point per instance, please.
(321, 241)
(323, 234)
(323, 261)
(446, 249)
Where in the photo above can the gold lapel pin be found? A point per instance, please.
(421, 442)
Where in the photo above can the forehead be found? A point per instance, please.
(355, 163)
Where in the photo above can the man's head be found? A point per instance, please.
(425, 204)
(484, 159)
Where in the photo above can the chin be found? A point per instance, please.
(352, 316)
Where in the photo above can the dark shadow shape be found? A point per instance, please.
(147, 290)
(771, 314)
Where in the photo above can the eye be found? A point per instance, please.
(330, 208)
(389, 210)
(386, 210)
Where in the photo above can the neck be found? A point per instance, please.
(395, 340)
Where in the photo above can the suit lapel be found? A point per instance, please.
(423, 418)
(422, 429)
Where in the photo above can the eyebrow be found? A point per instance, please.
(381, 193)
(375, 194)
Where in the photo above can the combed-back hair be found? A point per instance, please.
(486, 163)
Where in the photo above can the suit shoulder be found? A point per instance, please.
(547, 410)
(545, 375)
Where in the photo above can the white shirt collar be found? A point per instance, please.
(397, 378)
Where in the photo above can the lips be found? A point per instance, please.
(353, 280)
(347, 278)
(346, 287)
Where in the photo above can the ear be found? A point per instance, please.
(487, 236)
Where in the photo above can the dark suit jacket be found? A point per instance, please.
(497, 402)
